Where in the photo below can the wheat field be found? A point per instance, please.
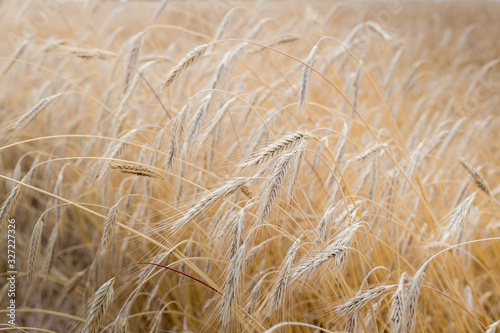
(241, 166)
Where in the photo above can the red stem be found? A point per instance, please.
(169, 268)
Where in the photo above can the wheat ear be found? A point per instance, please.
(272, 187)
(338, 251)
(476, 176)
(411, 298)
(34, 247)
(305, 78)
(109, 225)
(456, 227)
(208, 201)
(100, 302)
(135, 169)
(132, 60)
(277, 147)
(186, 62)
(93, 54)
(282, 282)
(176, 139)
(375, 149)
(233, 282)
(9, 204)
(397, 314)
(17, 53)
(493, 327)
(353, 306)
(35, 110)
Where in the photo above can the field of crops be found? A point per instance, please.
(241, 166)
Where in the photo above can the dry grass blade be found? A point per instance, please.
(476, 176)
(277, 147)
(35, 110)
(34, 247)
(186, 62)
(99, 303)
